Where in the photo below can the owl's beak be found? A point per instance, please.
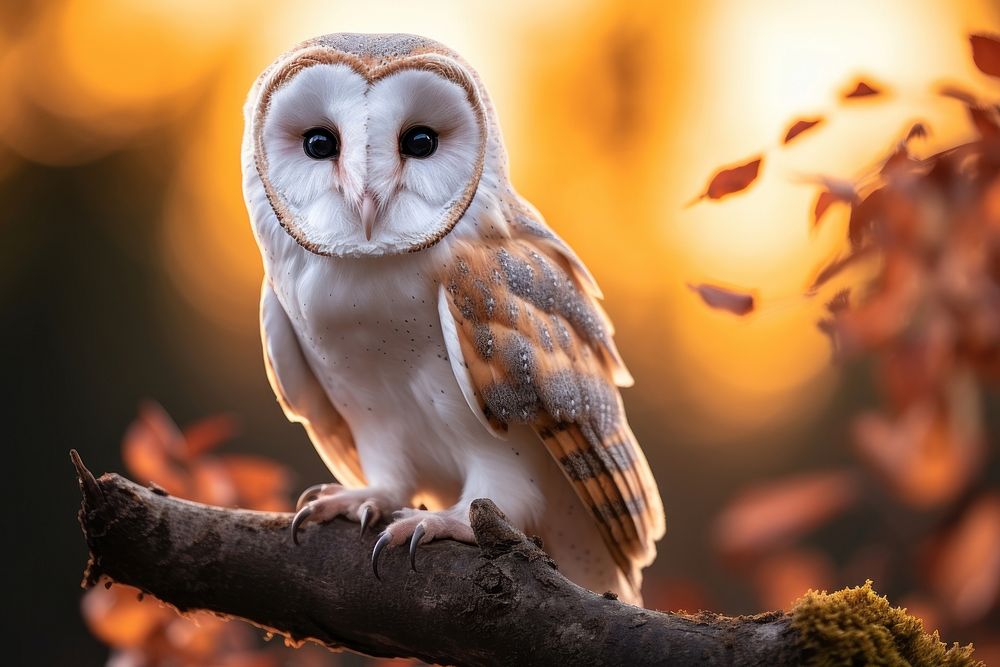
(367, 211)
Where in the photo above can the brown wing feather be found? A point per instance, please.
(537, 349)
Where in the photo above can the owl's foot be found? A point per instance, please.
(325, 501)
(420, 527)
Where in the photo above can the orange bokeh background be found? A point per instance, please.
(614, 114)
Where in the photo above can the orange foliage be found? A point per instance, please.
(929, 320)
(862, 89)
(184, 463)
(800, 126)
(732, 180)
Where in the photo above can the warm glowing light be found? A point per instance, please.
(614, 117)
(754, 373)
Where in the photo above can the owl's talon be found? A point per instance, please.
(418, 533)
(366, 515)
(310, 494)
(383, 540)
(297, 520)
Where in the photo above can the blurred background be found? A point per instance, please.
(128, 273)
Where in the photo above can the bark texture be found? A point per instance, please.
(499, 604)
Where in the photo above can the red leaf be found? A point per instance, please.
(823, 202)
(212, 484)
(966, 575)
(986, 54)
(732, 180)
(720, 298)
(799, 127)
(764, 517)
(209, 433)
(260, 483)
(150, 449)
(862, 89)
(119, 618)
(836, 190)
(929, 452)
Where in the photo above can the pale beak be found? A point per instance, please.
(367, 212)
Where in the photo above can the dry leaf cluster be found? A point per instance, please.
(928, 323)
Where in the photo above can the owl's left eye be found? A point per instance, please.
(418, 142)
(320, 143)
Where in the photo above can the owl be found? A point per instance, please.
(438, 342)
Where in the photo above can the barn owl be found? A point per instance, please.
(438, 342)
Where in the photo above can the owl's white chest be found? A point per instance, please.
(370, 330)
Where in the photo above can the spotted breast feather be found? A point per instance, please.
(530, 344)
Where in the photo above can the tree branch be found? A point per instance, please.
(501, 603)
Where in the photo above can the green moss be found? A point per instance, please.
(856, 626)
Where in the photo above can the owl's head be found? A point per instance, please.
(367, 144)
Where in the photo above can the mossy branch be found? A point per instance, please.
(501, 603)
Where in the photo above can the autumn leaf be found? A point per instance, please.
(212, 484)
(966, 572)
(260, 483)
(781, 578)
(920, 364)
(731, 180)
(835, 190)
(118, 617)
(884, 313)
(799, 127)
(862, 89)
(986, 54)
(720, 298)
(150, 448)
(926, 455)
(823, 202)
(772, 515)
(957, 93)
(209, 433)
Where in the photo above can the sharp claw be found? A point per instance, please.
(383, 539)
(414, 541)
(366, 515)
(308, 495)
(297, 520)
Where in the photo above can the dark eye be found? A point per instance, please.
(320, 143)
(418, 142)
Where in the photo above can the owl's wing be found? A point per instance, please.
(529, 344)
(301, 395)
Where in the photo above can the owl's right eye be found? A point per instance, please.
(320, 143)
